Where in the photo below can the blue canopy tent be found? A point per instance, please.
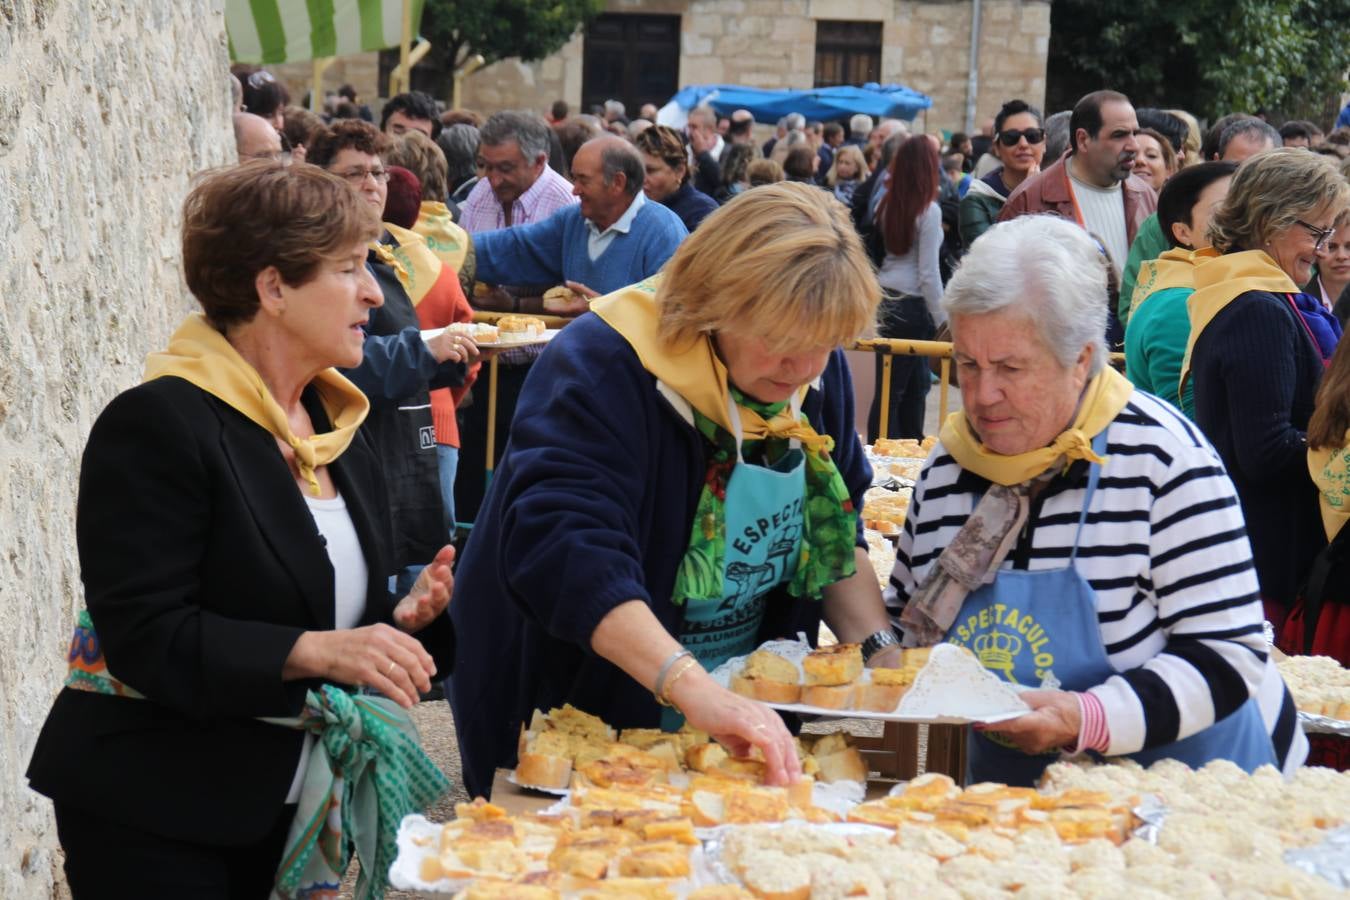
(894, 101)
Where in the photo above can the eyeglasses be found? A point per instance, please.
(1322, 234)
(357, 176)
(1010, 137)
(503, 168)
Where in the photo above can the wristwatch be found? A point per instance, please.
(878, 641)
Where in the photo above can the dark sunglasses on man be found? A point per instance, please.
(1010, 137)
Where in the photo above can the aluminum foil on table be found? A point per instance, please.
(1314, 724)
(893, 472)
(1329, 860)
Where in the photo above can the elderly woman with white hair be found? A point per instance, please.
(1081, 537)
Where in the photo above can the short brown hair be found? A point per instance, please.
(344, 134)
(763, 171)
(781, 262)
(300, 126)
(239, 220)
(423, 157)
(666, 144)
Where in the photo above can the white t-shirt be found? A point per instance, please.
(350, 576)
(1104, 215)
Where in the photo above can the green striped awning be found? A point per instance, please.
(277, 31)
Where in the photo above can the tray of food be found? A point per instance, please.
(508, 331)
(1321, 689)
(937, 685)
(567, 750)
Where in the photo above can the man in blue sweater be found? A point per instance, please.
(614, 238)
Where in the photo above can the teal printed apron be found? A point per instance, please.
(1026, 625)
(764, 520)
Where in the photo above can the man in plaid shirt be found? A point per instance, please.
(517, 187)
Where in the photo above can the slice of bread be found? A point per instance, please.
(771, 875)
(770, 667)
(828, 696)
(844, 765)
(544, 770)
(834, 665)
(880, 697)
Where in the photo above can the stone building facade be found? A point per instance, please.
(925, 44)
(107, 107)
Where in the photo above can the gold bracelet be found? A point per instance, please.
(663, 698)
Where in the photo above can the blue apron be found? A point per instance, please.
(764, 520)
(1026, 625)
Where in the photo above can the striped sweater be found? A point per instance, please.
(1165, 549)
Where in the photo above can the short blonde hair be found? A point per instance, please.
(423, 157)
(1272, 190)
(848, 151)
(1190, 147)
(781, 262)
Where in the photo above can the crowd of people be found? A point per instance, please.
(266, 524)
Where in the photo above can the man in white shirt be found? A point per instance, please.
(1092, 185)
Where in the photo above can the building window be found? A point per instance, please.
(847, 53)
(631, 58)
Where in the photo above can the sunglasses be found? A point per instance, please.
(1010, 137)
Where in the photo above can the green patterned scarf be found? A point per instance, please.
(830, 524)
(365, 773)
(368, 766)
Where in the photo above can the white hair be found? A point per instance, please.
(1047, 267)
(860, 125)
(614, 106)
(794, 121)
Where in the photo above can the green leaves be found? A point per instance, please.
(1211, 57)
(529, 29)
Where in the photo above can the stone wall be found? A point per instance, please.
(106, 108)
(771, 43)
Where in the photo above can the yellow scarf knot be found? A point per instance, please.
(200, 355)
(1103, 399)
(1074, 444)
(754, 428)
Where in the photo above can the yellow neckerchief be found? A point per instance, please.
(1174, 269)
(1219, 281)
(385, 254)
(693, 371)
(199, 354)
(1103, 399)
(417, 268)
(446, 239)
(1330, 470)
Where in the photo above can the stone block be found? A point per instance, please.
(702, 70)
(705, 24)
(696, 45)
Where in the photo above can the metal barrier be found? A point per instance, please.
(886, 347)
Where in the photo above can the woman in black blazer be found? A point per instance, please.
(223, 579)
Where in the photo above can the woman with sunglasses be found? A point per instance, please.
(1257, 350)
(1019, 144)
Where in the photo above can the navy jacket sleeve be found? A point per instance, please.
(836, 420)
(569, 550)
(397, 365)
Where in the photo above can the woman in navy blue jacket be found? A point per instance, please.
(682, 483)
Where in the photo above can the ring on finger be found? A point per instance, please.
(390, 671)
